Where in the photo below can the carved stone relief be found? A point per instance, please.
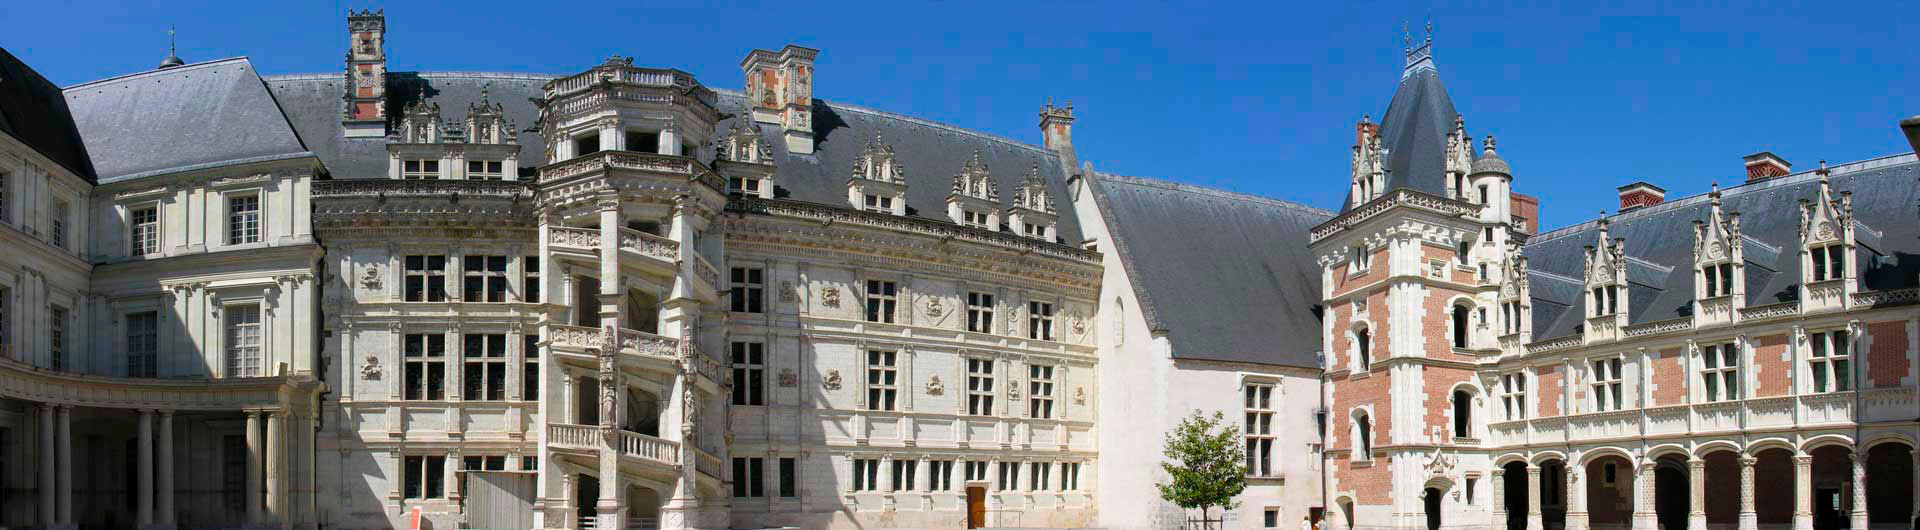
(788, 379)
(371, 370)
(830, 296)
(833, 380)
(935, 387)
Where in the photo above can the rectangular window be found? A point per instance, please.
(143, 344)
(57, 231)
(975, 470)
(530, 280)
(880, 301)
(426, 278)
(876, 203)
(243, 219)
(1034, 230)
(1009, 476)
(426, 477)
(233, 472)
(426, 369)
(1040, 476)
(1511, 310)
(645, 142)
(749, 290)
(1830, 361)
(1719, 279)
(243, 340)
(486, 279)
(1606, 385)
(485, 170)
(742, 185)
(749, 373)
(57, 337)
(1258, 429)
(529, 463)
(1720, 372)
(6, 323)
(747, 478)
(1039, 321)
(484, 463)
(941, 471)
(1040, 391)
(975, 219)
(1513, 395)
(144, 233)
(486, 367)
(1361, 258)
(866, 474)
(530, 377)
(1070, 477)
(789, 470)
(903, 474)
(980, 312)
(882, 387)
(420, 169)
(980, 387)
(1829, 262)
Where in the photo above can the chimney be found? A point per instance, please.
(1363, 130)
(366, 108)
(779, 89)
(1765, 165)
(1056, 133)
(1641, 194)
(1525, 210)
(1912, 127)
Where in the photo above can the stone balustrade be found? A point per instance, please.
(574, 238)
(646, 244)
(1715, 418)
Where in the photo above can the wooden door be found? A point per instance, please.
(976, 506)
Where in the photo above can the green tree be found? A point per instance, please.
(1205, 463)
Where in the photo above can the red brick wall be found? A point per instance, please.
(1344, 284)
(1775, 374)
(1669, 377)
(1371, 484)
(1887, 357)
(1548, 386)
(1377, 315)
(1526, 206)
(1439, 389)
(1437, 327)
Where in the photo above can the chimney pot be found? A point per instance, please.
(1639, 195)
(1765, 165)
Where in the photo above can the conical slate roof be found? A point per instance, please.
(1414, 130)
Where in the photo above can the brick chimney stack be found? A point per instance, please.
(1056, 133)
(1641, 194)
(780, 90)
(366, 97)
(1765, 165)
(1363, 130)
(1912, 127)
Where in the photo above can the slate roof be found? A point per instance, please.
(1414, 132)
(199, 115)
(33, 111)
(1225, 275)
(1660, 244)
(931, 152)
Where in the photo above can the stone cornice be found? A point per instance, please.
(406, 207)
(943, 230)
(21, 381)
(910, 252)
(1400, 197)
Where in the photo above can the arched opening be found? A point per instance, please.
(642, 311)
(1773, 489)
(586, 494)
(1553, 494)
(1513, 478)
(1346, 513)
(1462, 414)
(1672, 493)
(1363, 437)
(643, 508)
(1460, 326)
(1432, 498)
(1890, 487)
(1832, 487)
(1609, 492)
(1363, 347)
(1723, 488)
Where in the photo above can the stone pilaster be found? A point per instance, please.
(1749, 519)
(1534, 521)
(1696, 494)
(49, 474)
(1499, 483)
(1576, 499)
(1644, 517)
(1802, 492)
(1859, 515)
(143, 471)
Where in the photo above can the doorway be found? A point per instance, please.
(976, 506)
(1826, 509)
(1433, 508)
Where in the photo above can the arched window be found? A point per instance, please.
(1462, 414)
(1460, 326)
(1363, 436)
(1363, 347)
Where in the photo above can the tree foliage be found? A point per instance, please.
(1205, 464)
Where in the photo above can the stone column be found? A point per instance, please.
(253, 467)
(1696, 494)
(1534, 521)
(1749, 519)
(1859, 515)
(1499, 484)
(49, 475)
(275, 466)
(1644, 517)
(164, 488)
(1577, 518)
(144, 470)
(1802, 492)
(64, 447)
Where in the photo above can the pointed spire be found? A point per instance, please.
(173, 58)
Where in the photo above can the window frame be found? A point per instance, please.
(1040, 321)
(1040, 388)
(1830, 360)
(746, 292)
(143, 356)
(749, 373)
(866, 475)
(427, 357)
(143, 238)
(980, 311)
(420, 169)
(432, 280)
(883, 379)
(1257, 431)
(1717, 378)
(1829, 261)
(882, 298)
(489, 357)
(234, 353)
(424, 467)
(246, 227)
(980, 386)
(1605, 383)
(59, 217)
(749, 477)
(489, 170)
(1513, 395)
(485, 283)
(530, 279)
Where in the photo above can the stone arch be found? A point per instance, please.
(1755, 447)
(1462, 411)
(1503, 460)
(1460, 321)
(1609, 480)
(1889, 437)
(1589, 456)
(1704, 449)
(1891, 490)
(1655, 453)
(1545, 456)
(1360, 345)
(1344, 509)
(1826, 440)
(1773, 463)
(1360, 429)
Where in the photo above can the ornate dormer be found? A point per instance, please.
(1459, 161)
(420, 123)
(487, 123)
(879, 182)
(975, 197)
(745, 158)
(1719, 265)
(1032, 213)
(1369, 163)
(1827, 248)
(1515, 300)
(1606, 285)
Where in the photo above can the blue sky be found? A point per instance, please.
(1257, 98)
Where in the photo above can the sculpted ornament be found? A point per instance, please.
(935, 387)
(830, 296)
(1824, 231)
(788, 379)
(833, 380)
(1078, 322)
(1079, 395)
(934, 308)
(371, 280)
(788, 294)
(371, 370)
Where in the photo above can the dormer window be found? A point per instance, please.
(1719, 279)
(876, 203)
(743, 185)
(420, 170)
(879, 181)
(1829, 262)
(485, 170)
(1034, 230)
(1032, 213)
(1510, 316)
(1606, 300)
(974, 219)
(642, 141)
